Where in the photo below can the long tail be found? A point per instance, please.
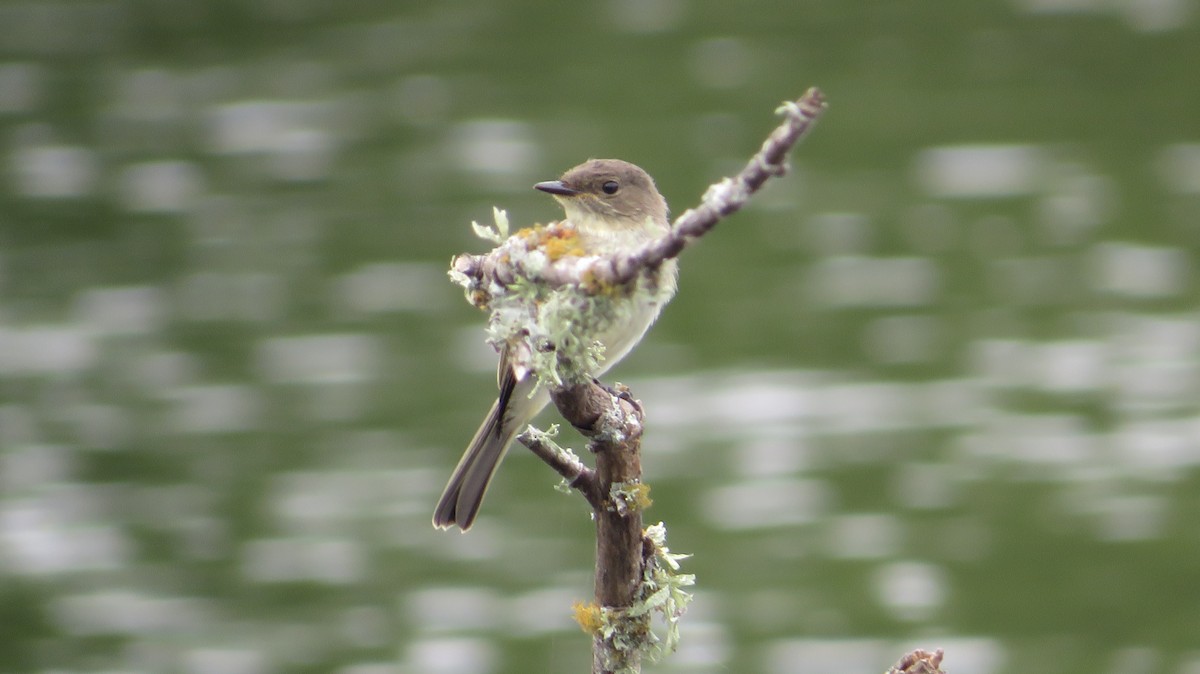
(464, 493)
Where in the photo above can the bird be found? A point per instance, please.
(612, 207)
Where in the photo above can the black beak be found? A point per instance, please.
(556, 187)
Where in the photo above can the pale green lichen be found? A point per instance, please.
(789, 109)
(499, 230)
(629, 632)
(629, 637)
(565, 454)
(558, 328)
(460, 279)
(554, 328)
(546, 437)
(662, 588)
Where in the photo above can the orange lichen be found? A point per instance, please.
(561, 243)
(588, 616)
(479, 298)
(641, 496)
(597, 287)
(554, 240)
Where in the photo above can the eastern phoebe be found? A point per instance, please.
(614, 207)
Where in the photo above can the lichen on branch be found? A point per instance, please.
(721, 199)
(628, 631)
(543, 293)
(542, 327)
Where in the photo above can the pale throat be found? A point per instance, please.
(612, 232)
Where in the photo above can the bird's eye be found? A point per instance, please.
(610, 187)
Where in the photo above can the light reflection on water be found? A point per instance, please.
(234, 377)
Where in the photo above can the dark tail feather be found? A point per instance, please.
(464, 493)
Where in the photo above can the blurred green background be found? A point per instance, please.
(938, 387)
